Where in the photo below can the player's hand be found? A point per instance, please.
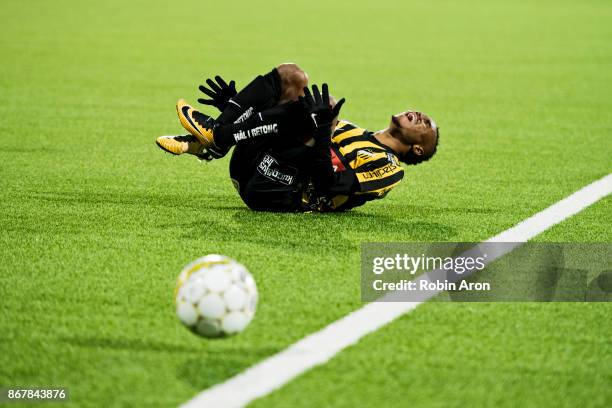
(220, 92)
(318, 107)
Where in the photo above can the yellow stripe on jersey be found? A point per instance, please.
(378, 174)
(351, 147)
(338, 200)
(341, 124)
(381, 191)
(380, 180)
(362, 159)
(345, 135)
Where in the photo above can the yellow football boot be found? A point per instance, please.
(175, 144)
(196, 123)
(178, 145)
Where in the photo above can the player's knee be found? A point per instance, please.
(293, 79)
(292, 75)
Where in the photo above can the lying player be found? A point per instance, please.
(286, 157)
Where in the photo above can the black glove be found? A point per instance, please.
(322, 114)
(220, 92)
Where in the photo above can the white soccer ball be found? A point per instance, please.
(215, 296)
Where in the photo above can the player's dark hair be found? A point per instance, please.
(411, 158)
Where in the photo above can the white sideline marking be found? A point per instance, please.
(317, 348)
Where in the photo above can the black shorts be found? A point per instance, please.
(270, 175)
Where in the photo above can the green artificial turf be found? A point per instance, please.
(475, 354)
(97, 222)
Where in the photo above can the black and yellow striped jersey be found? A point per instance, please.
(364, 168)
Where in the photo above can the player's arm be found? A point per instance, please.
(322, 114)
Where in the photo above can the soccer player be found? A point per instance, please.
(293, 155)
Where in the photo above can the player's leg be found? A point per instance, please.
(283, 84)
(260, 94)
(285, 119)
(291, 80)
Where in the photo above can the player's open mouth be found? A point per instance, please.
(411, 116)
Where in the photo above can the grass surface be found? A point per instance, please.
(97, 222)
(468, 354)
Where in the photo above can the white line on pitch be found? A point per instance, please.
(317, 348)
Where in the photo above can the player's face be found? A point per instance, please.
(417, 130)
(413, 121)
